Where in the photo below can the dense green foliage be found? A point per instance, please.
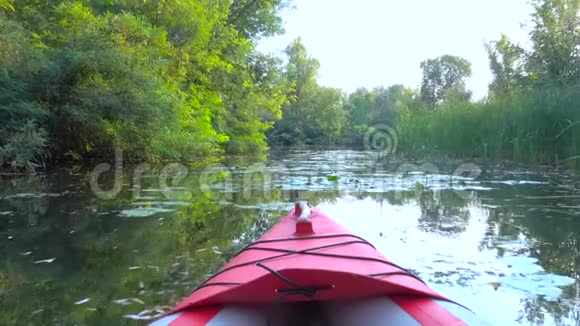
(379, 106)
(158, 79)
(181, 80)
(316, 114)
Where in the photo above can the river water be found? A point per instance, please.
(81, 247)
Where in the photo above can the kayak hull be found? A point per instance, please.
(303, 263)
(373, 311)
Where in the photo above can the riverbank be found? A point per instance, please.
(532, 126)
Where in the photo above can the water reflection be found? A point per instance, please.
(442, 212)
(70, 258)
(505, 244)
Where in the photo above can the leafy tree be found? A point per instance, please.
(506, 64)
(316, 114)
(324, 116)
(301, 72)
(253, 109)
(256, 18)
(359, 106)
(555, 36)
(384, 103)
(443, 74)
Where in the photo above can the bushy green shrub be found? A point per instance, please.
(158, 82)
(26, 148)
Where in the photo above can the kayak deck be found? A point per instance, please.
(307, 265)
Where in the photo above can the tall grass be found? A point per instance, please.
(533, 125)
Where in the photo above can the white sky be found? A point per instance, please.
(382, 42)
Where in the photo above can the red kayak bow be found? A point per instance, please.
(307, 257)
